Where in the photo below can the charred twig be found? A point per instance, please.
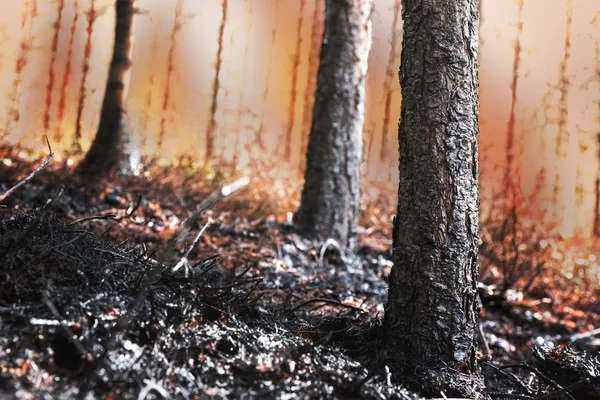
(321, 300)
(511, 376)
(209, 265)
(23, 181)
(566, 390)
(244, 272)
(93, 218)
(540, 375)
(133, 209)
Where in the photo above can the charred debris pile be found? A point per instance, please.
(83, 316)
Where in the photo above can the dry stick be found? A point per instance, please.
(584, 335)
(206, 204)
(10, 191)
(566, 390)
(488, 351)
(184, 262)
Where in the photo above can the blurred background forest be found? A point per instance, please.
(242, 73)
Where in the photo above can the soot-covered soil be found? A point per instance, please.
(83, 316)
(91, 303)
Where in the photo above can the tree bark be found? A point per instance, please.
(112, 146)
(330, 203)
(431, 318)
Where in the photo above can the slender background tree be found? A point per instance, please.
(330, 203)
(430, 323)
(90, 16)
(112, 146)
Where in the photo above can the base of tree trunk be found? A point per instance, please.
(444, 383)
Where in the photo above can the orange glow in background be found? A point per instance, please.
(268, 65)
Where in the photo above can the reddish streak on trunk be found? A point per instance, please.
(296, 66)
(510, 134)
(51, 73)
(210, 131)
(318, 27)
(91, 16)
(562, 138)
(390, 79)
(25, 46)
(66, 78)
(261, 128)
(177, 24)
(369, 136)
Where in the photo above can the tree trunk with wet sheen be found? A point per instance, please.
(330, 204)
(112, 145)
(430, 326)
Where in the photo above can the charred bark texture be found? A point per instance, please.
(330, 206)
(112, 146)
(431, 319)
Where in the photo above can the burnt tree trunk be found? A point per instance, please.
(431, 318)
(112, 146)
(330, 203)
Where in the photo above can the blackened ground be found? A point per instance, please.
(89, 302)
(83, 316)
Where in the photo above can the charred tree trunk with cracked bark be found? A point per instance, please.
(112, 146)
(430, 323)
(330, 203)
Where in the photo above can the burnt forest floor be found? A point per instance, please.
(103, 293)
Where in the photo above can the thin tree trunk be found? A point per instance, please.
(51, 68)
(29, 15)
(596, 222)
(212, 124)
(90, 16)
(149, 90)
(177, 24)
(510, 134)
(316, 39)
(430, 325)
(390, 76)
(260, 139)
(66, 78)
(330, 201)
(563, 136)
(112, 146)
(294, 91)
